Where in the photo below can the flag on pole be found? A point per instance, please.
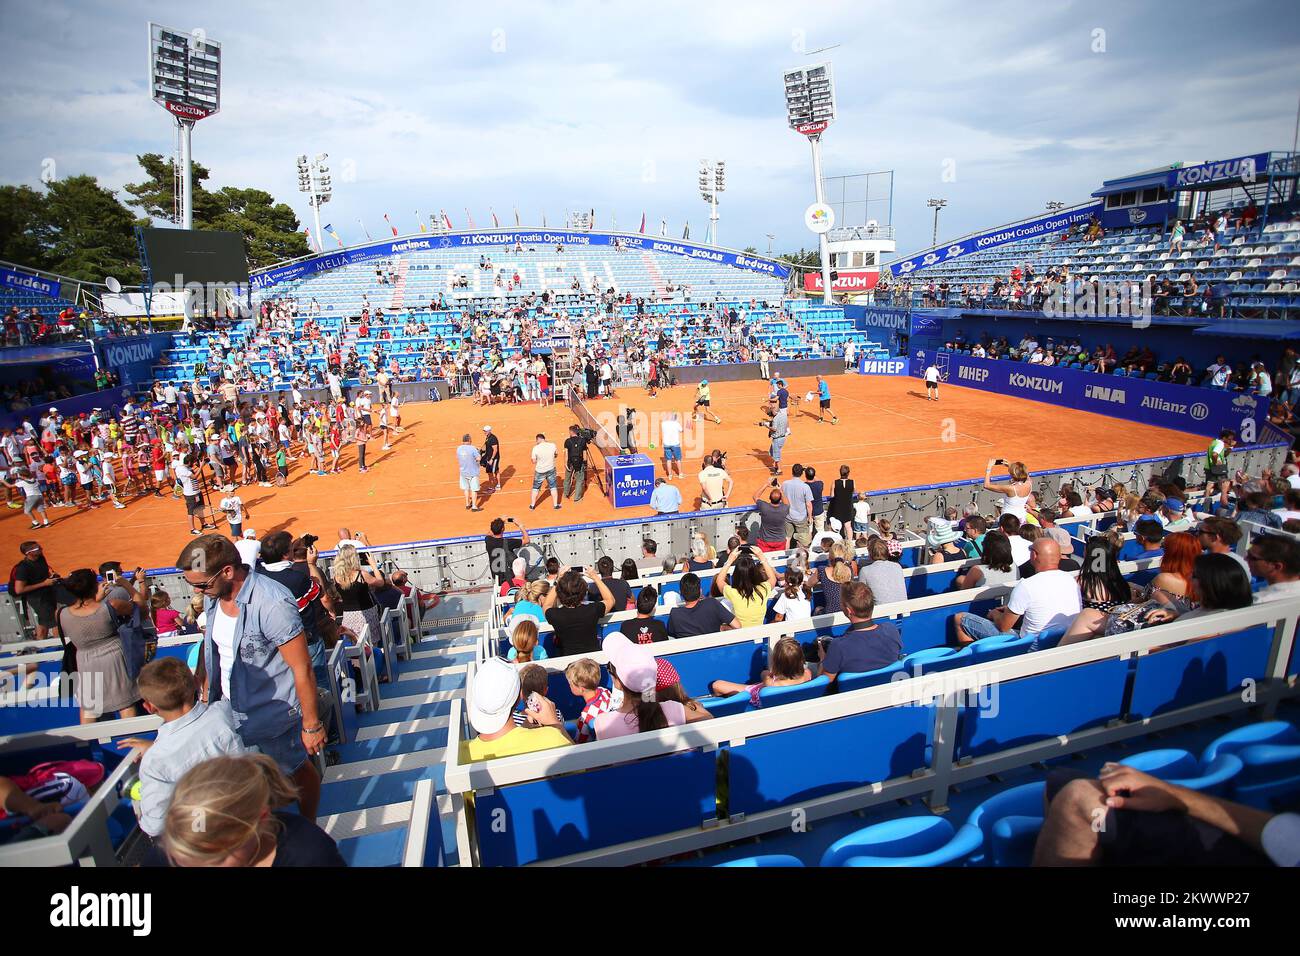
(420, 219)
(591, 221)
(543, 220)
(307, 232)
(446, 220)
(663, 227)
(469, 219)
(390, 224)
(495, 223)
(516, 217)
(643, 224)
(363, 227)
(686, 233)
(329, 227)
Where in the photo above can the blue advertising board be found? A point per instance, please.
(508, 237)
(1244, 168)
(1029, 229)
(1187, 408)
(629, 480)
(22, 282)
(893, 366)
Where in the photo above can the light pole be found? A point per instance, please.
(314, 179)
(770, 237)
(810, 108)
(936, 205)
(713, 180)
(184, 79)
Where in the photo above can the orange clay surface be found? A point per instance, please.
(888, 434)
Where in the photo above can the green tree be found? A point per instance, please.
(87, 233)
(804, 257)
(750, 251)
(22, 217)
(271, 230)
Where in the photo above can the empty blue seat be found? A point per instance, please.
(770, 860)
(1270, 757)
(1182, 768)
(999, 646)
(883, 675)
(936, 659)
(910, 841)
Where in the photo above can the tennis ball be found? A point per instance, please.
(652, 446)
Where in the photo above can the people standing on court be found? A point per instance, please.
(824, 401)
(703, 400)
(575, 464)
(543, 457)
(490, 458)
(932, 379)
(798, 496)
(715, 484)
(467, 462)
(779, 431)
(671, 433)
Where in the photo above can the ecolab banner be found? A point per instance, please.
(1031, 228)
(858, 280)
(1186, 408)
(536, 238)
(22, 282)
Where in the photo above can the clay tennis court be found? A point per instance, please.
(888, 434)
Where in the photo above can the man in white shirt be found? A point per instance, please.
(190, 490)
(932, 377)
(1048, 599)
(715, 486)
(1277, 560)
(671, 432)
(543, 456)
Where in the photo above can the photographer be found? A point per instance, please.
(575, 462)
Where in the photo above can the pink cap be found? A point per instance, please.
(634, 665)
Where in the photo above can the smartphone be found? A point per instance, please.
(511, 521)
(110, 577)
(534, 702)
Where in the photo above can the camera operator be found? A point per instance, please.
(501, 550)
(575, 461)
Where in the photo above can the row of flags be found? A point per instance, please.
(445, 221)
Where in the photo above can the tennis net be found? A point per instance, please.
(606, 442)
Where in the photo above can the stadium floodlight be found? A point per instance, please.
(314, 179)
(713, 180)
(1055, 206)
(185, 80)
(936, 205)
(810, 108)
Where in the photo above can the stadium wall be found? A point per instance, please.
(460, 564)
(1186, 408)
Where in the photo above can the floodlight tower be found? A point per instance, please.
(936, 205)
(314, 179)
(810, 108)
(184, 79)
(713, 180)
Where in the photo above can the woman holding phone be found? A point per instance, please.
(1018, 494)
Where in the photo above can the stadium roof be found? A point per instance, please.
(1274, 329)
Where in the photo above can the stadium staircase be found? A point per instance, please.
(399, 286)
(366, 796)
(657, 281)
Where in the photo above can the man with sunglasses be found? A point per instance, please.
(255, 655)
(1276, 560)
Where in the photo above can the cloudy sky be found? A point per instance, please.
(996, 107)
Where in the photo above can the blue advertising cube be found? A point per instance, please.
(630, 480)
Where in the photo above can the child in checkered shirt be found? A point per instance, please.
(532, 679)
(584, 682)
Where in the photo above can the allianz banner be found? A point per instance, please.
(1186, 408)
(1041, 227)
(536, 238)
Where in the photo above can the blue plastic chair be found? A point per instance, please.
(1270, 757)
(737, 703)
(935, 659)
(771, 860)
(911, 841)
(883, 675)
(999, 646)
(775, 696)
(1049, 638)
(1182, 768)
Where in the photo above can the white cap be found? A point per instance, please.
(493, 697)
(487, 428)
(250, 534)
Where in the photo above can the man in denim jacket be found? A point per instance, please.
(255, 655)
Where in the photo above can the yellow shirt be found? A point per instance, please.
(520, 740)
(750, 613)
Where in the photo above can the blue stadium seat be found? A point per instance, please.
(937, 659)
(847, 682)
(770, 860)
(1182, 768)
(1270, 755)
(919, 841)
(999, 646)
